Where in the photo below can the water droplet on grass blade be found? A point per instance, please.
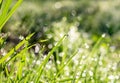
(37, 48)
(21, 37)
(103, 35)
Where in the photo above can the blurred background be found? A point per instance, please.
(51, 19)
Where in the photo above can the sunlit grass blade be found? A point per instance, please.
(1, 1)
(76, 70)
(97, 45)
(1, 42)
(41, 67)
(9, 14)
(18, 54)
(22, 54)
(95, 69)
(6, 71)
(21, 64)
(80, 76)
(4, 10)
(66, 63)
(16, 48)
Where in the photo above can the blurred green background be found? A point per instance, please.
(45, 16)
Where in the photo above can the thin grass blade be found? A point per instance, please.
(40, 69)
(69, 60)
(16, 48)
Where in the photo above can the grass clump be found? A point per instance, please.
(78, 57)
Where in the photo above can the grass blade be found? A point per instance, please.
(5, 8)
(96, 46)
(69, 60)
(1, 1)
(9, 13)
(40, 69)
(16, 48)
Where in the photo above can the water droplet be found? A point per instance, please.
(90, 73)
(103, 35)
(21, 37)
(86, 45)
(111, 77)
(38, 62)
(50, 46)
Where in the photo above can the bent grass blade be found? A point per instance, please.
(16, 48)
(41, 67)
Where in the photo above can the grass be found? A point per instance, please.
(73, 58)
(5, 13)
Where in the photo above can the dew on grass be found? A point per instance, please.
(117, 77)
(103, 35)
(3, 52)
(27, 59)
(11, 77)
(94, 59)
(114, 66)
(61, 34)
(67, 73)
(34, 61)
(48, 67)
(81, 50)
(111, 77)
(58, 62)
(23, 74)
(73, 34)
(50, 46)
(100, 63)
(38, 62)
(90, 73)
(37, 48)
(32, 82)
(79, 82)
(49, 35)
(84, 74)
(76, 62)
(103, 51)
(80, 67)
(66, 68)
(77, 76)
(86, 45)
(83, 57)
(21, 37)
(61, 54)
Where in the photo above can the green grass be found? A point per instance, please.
(6, 12)
(71, 58)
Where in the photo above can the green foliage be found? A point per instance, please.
(82, 56)
(6, 12)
